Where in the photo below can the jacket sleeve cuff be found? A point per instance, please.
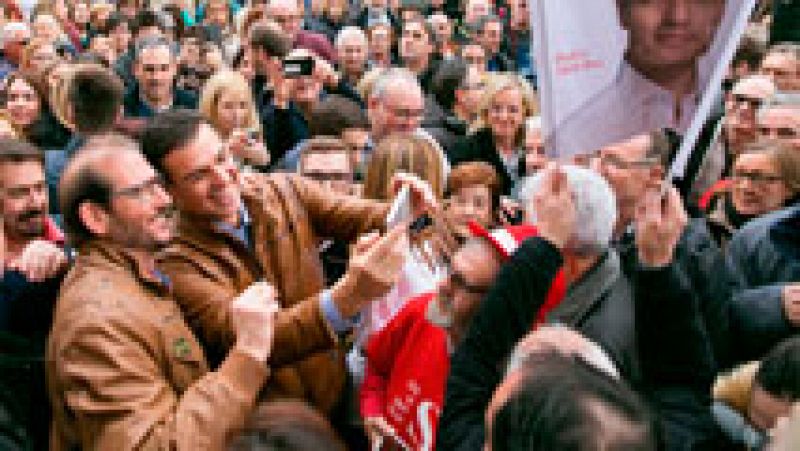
(243, 373)
(333, 317)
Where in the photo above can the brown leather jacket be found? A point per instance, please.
(125, 372)
(209, 268)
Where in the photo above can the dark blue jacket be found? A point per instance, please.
(135, 107)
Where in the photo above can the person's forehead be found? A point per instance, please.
(126, 168)
(20, 173)
(413, 26)
(756, 87)
(199, 152)
(157, 53)
(326, 161)
(754, 159)
(231, 94)
(20, 86)
(403, 94)
(783, 115)
(636, 146)
(779, 60)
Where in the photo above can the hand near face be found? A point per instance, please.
(554, 208)
(660, 222)
(422, 198)
(253, 316)
(40, 260)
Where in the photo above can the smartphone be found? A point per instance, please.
(298, 67)
(400, 210)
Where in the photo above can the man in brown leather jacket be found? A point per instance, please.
(124, 371)
(230, 237)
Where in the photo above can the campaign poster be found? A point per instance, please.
(613, 69)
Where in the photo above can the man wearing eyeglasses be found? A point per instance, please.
(33, 264)
(155, 69)
(124, 370)
(780, 122)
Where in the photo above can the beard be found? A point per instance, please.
(28, 224)
(136, 236)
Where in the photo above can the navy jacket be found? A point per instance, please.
(135, 107)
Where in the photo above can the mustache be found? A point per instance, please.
(31, 214)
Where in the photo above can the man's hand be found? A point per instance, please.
(554, 208)
(283, 88)
(325, 73)
(660, 221)
(422, 198)
(40, 260)
(791, 303)
(253, 317)
(375, 266)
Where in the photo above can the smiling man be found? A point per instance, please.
(658, 82)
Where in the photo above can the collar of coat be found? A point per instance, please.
(104, 253)
(588, 290)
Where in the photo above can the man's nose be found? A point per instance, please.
(677, 11)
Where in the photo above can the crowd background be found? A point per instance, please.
(187, 187)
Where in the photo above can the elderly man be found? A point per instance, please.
(658, 83)
(780, 121)
(124, 370)
(31, 270)
(286, 13)
(155, 68)
(598, 302)
(352, 52)
(230, 237)
(782, 64)
(14, 38)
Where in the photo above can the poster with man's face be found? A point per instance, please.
(613, 69)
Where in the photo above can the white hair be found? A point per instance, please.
(12, 27)
(595, 208)
(350, 32)
(394, 77)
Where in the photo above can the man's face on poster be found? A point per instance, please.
(669, 32)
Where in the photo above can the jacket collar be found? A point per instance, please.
(588, 290)
(112, 255)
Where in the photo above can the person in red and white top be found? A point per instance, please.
(409, 359)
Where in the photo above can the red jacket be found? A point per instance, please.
(407, 367)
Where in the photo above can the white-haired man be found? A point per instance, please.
(15, 36)
(352, 52)
(598, 300)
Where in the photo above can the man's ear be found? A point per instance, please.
(94, 218)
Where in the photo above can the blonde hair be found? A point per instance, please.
(30, 49)
(220, 83)
(402, 153)
(497, 83)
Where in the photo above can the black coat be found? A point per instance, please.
(600, 306)
(480, 147)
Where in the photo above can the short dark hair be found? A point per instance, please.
(448, 78)
(779, 372)
(751, 51)
(115, 20)
(287, 426)
(144, 19)
(427, 27)
(14, 150)
(336, 114)
(167, 131)
(559, 404)
(87, 184)
(483, 20)
(95, 96)
(270, 37)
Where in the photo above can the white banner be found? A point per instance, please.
(613, 69)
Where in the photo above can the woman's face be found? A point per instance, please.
(470, 203)
(233, 111)
(42, 57)
(80, 13)
(757, 186)
(22, 103)
(506, 113)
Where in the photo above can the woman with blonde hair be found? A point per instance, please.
(227, 103)
(497, 135)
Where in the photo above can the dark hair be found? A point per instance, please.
(779, 372)
(336, 114)
(561, 403)
(751, 51)
(95, 96)
(14, 150)
(115, 19)
(167, 131)
(483, 20)
(87, 184)
(144, 19)
(270, 37)
(448, 78)
(287, 426)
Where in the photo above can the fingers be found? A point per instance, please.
(365, 242)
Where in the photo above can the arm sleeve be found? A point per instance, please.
(758, 320)
(299, 330)
(121, 399)
(505, 316)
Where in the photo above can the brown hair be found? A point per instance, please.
(787, 161)
(270, 37)
(402, 153)
(475, 173)
(287, 425)
(18, 151)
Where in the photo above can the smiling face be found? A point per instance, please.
(22, 103)
(203, 178)
(757, 187)
(23, 203)
(666, 33)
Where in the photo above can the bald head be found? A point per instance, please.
(285, 13)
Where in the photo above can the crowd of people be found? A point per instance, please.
(336, 224)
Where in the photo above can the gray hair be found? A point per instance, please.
(778, 102)
(350, 32)
(595, 208)
(11, 27)
(395, 76)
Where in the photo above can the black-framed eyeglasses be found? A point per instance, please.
(753, 102)
(755, 177)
